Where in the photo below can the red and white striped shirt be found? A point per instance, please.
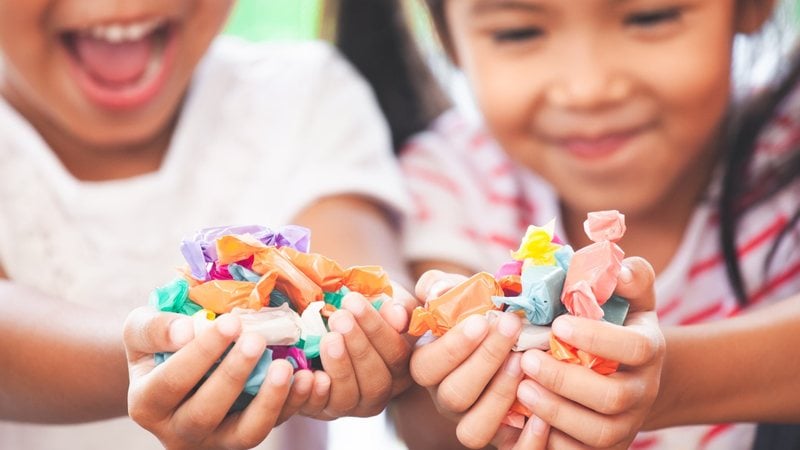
(473, 205)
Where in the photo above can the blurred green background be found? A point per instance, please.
(275, 19)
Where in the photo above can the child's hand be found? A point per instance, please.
(365, 357)
(163, 398)
(582, 406)
(470, 372)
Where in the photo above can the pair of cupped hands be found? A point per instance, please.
(471, 373)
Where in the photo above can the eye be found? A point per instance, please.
(649, 19)
(517, 34)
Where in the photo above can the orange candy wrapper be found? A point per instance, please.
(473, 296)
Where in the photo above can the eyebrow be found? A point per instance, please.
(519, 5)
(493, 5)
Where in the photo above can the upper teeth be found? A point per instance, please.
(117, 32)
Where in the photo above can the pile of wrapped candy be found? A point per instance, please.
(544, 280)
(273, 283)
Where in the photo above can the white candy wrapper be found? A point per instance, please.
(312, 323)
(278, 326)
(531, 336)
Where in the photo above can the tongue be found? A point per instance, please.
(118, 63)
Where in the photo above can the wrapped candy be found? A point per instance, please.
(540, 296)
(544, 280)
(473, 296)
(593, 270)
(273, 284)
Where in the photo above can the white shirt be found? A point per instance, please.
(266, 130)
(473, 204)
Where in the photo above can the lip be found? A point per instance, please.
(129, 97)
(597, 146)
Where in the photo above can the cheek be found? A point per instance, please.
(694, 87)
(506, 93)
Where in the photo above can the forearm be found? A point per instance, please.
(739, 369)
(59, 363)
(353, 231)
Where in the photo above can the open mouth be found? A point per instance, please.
(121, 66)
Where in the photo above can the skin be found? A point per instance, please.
(641, 88)
(474, 378)
(366, 356)
(369, 367)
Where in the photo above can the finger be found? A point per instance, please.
(149, 331)
(392, 348)
(459, 390)
(636, 284)
(534, 435)
(319, 395)
(374, 382)
(481, 423)
(635, 344)
(397, 312)
(169, 383)
(432, 362)
(302, 384)
(583, 424)
(606, 395)
(344, 394)
(506, 437)
(434, 283)
(207, 407)
(259, 418)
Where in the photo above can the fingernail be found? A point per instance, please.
(527, 394)
(625, 274)
(227, 325)
(181, 331)
(335, 347)
(438, 288)
(354, 304)
(474, 327)
(562, 328)
(321, 387)
(342, 323)
(279, 374)
(399, 308)
(538, 427)
(531, 363)
(509, 325)
(251, 345)
(512, 366)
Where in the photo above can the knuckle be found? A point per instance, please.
(492, 357)
(554, 376)
(643, 349)
(608, 435)
(397, 358)
(359, 351)
(618, 398)
(231, 373)
(452, 400)
(249, 439)
(378, 391)
(420, 373)
(195, 422)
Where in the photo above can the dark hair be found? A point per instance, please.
(742, 189)
(374, 36)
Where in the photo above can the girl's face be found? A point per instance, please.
(103, 72)
(615, 102)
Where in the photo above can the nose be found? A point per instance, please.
(587, 77)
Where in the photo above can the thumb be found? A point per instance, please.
(636, 282)
(149, 331)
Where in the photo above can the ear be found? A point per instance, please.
(752, 14)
